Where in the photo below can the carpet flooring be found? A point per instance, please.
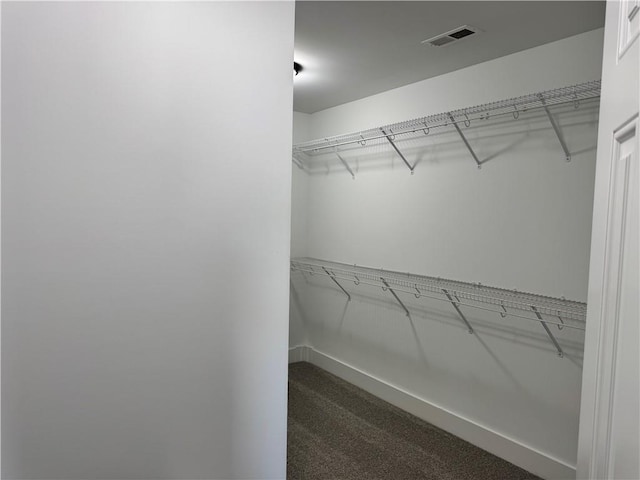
(337, 431)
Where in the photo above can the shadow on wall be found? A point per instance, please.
(490, 139)
(530, 333)
(433, 344)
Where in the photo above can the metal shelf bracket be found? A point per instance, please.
(418, 127)
(546, 328)
(338, 284)
(395, 296)
(395, 147)
(464, 139)
(298, 163)
(455, 305)
(556, 129)
(541, 309)
(344, 162)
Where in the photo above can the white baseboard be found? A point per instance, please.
(494, 442)
(300, 353)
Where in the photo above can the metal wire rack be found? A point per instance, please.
(538, 308)
(457, 118)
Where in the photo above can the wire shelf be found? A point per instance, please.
(462, 117)
(539, 308)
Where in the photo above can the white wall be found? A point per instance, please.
(300, 191)
(523, 221)
(145, 232)
(299, 227)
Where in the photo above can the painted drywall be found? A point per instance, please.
(522, 221)
(300, 190)
(145, 235)
(299, 227)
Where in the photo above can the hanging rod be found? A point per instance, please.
(557, 311)
(512, 106)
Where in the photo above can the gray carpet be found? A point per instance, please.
(338, 431)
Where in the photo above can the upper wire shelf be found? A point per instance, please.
(459, 119)
(539, 308)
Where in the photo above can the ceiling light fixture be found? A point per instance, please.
(297, 68)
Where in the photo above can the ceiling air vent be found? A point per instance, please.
(451, 36)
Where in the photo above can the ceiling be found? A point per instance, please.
(350, 50)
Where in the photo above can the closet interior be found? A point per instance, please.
(522, 305)
(439, 260)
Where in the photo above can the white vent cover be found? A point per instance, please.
(452, 36)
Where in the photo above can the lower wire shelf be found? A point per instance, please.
(528, 306)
